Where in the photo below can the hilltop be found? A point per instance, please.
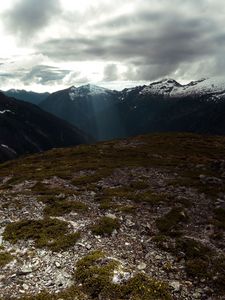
(138, 218)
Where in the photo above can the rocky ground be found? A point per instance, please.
(166, 206)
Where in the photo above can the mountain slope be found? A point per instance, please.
(143, 216)
(160, 107)
(83, 107)
(25, 128)
(23, 95)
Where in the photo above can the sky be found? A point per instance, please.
(47, 45)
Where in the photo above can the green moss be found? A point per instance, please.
(139, 185)
(193, 249)
(127, 209)
(197, 267)
(149, 197)
(72, 293)
(105, 226)
(61, 207)
(95, 272)
(141, 287)
(163, 242)
(131, 193)
(170, 223)
(5, 258)
(51, 233)
(43, 190)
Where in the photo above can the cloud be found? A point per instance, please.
(44, 75)
(129, 40)
(156, 43)
(110, 73)
(27, 17)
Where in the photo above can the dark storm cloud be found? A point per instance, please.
(27, 17)
(44, 75)
(152, 44)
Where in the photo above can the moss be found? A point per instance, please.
(51, 233)
(105, 205)
(61, 207)
(71, 293)
(5, 258)
(141, 287)
(149, 197)
(95, 273)
(139, 185)
(85, 180)
(170, 223)
(43, 190)
(105, 226)
(163, 242)
(129, 193)
(197, 267)
(127, 209)
(193, 249)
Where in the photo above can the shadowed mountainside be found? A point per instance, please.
(25, 128)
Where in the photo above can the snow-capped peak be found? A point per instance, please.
(86, 90)
(171, 88)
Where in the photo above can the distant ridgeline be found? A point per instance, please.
(160, 107)
(163, 106)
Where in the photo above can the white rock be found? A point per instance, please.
(175, 285)
(57, 264)
(112, 216)
(25, 287)
(142, 266)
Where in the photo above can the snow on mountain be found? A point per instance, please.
(87, 90)
(5, 111)
(171, 88)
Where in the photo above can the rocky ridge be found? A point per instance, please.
(165, 199)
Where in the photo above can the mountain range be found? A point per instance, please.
(27, 96)
(162, 106)
(104, 114)
(25, 128)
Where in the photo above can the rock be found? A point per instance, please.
(212, 180)
(24, 270)
(25, 287)
(88, 246)
(175, 285)
(57, 264)
(142, 266)
(158, 257)
(112, 216)
(120, 276)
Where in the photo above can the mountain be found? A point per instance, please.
(161, 106)
(27, 96)
(84, 107)
(25, 128)
(140, 218)
(210, 89)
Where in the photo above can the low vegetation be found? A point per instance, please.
(95, 273)
(51, 233)
(170, 223)
(105, 226)
(5, 258)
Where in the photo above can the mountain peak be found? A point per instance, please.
(86, 90)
